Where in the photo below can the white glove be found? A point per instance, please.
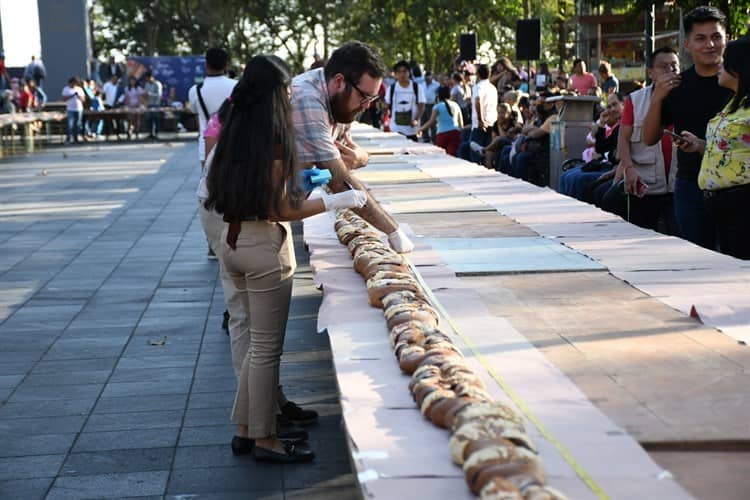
(400, 242)
(353, 198)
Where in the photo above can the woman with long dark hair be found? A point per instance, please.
(253, 183)
(725, 169)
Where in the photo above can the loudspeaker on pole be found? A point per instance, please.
(528, 40)
(468, 46)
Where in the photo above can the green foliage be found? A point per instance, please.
(409, 29)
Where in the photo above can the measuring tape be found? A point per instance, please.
(585, 477)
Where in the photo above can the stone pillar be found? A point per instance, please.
(64, 30)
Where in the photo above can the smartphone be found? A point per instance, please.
(676, 137)
(640, 189)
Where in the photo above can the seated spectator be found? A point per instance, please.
(505, 130)
(543, 78)
(607, 80)
(25, 98)
(6, 104)
(531, 159)
(447, 115)
(581, 80)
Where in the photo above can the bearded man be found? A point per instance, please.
(325, 101)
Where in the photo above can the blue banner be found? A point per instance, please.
(178, 72)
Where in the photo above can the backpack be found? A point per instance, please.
(202, 102)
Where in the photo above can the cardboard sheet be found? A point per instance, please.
(510, 255)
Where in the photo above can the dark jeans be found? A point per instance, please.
(74, 125)
(430, 133)
(479, 136)
(503, 162)
(693, 220)
(153, 120)
(729, 208)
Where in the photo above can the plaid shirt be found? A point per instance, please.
(314, 128)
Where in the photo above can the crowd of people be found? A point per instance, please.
(673, 156)
(111, 88)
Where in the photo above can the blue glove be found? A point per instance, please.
(313, 177)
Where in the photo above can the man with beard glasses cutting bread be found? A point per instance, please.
(324, 102)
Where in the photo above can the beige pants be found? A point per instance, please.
(262, 269)
(236, 302)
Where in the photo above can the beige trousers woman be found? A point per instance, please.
(262, 266)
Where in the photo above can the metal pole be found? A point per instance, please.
(650, 31)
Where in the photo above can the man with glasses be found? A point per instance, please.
(324, 102)
(406, 99)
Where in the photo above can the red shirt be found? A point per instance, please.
(25, 100)
(628, 119)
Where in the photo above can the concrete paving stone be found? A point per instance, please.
(206, 417)
(152, 374)
(126, 439)
(38, 466)
(67, 378)
(16, 367)
(183, 294)
(318, 474)
(198, 457)
(10, 380)
(121, 389)
(65, 365)
(109, 485)
(214, 384)
(118, 461)
(57, 407)
(208, 435)
(155, 419)
(155, 361)
(27, 341)
(89, 352)
(251, 476)
(26, 489)
(221, 358)
(42, 425)
(104, 323)
(151, 346)
(351, 492)
(31, 354)
(224, 399)
(40, 444)
(141, 403)
(46, 393)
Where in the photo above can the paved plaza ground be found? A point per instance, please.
(115, 377)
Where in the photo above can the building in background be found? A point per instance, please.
(56, 30)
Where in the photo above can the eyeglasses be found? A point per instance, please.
(366, 98)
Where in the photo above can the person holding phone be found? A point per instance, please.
(688, 101)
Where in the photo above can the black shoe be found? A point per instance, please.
(211, 255)
(225, 322)
(242, 445)
(292, 455)
(297, 415)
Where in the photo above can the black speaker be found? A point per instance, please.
(468, 46)
(528, 40)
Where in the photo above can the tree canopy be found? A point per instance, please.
(402, 29)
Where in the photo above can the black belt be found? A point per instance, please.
(741, 189)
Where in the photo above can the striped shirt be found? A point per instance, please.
(314, 127)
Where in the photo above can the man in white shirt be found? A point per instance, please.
(205, 99)
(430, 94)
(73, 96)
(406, 100)
(110, 89)
(483, 116)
